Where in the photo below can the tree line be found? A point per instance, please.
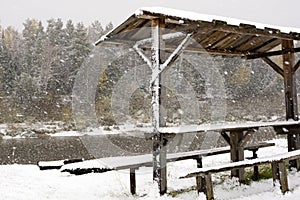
(38, 66)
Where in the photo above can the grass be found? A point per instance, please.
(264, 172)
(181, 191)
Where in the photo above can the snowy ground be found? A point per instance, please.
(28, 182)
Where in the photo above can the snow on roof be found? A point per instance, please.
(193, 16)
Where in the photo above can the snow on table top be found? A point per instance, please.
(224, 126)
(204, 17)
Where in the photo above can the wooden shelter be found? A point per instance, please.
(170, 32)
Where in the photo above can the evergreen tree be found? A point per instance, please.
(7, 66)
(33, 42)
(95, 31)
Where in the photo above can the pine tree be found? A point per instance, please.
(7, 66)
(95, 31)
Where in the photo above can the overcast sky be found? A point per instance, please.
(274, 12)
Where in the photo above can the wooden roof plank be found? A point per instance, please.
(269, 46)
(251, 43)
(240, 42)
(213, 39)
(218, 37)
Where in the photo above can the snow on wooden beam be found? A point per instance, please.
(159, 146)
(172, 58)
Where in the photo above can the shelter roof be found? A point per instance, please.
(213, 34)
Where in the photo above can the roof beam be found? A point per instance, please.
(296, 67)
(278, 69)
(272, 53)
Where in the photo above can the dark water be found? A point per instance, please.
(32, 150)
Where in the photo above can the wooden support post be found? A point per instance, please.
(283, 177)
(275, 172)
(290, 97)
(132, 181)
(209, 187)
(237, 153)
(279, 174)
(289, 81)
(255, 168)
(159, 141)
(200, 181)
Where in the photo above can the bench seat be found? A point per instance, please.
(277, 162)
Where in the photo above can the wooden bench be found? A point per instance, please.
(135, 162)
(278, 163)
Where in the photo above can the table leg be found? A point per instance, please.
(237, 153)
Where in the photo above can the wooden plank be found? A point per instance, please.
(243, 29)
(275, 172)
(244, 39)
(200, 181)
(209, 41)
(237, 153)
(296, 67)
(209, 187)
(219, 41)
(132, 181)
(283, 177)
(284, 51)
(226, 137)
(163, 166)
(246, 137)
(269, 44)
(245, 163)
(290, 96)
(159, 149)
(227, 127)
(251, 43)
(276, 68)
(202, 37)
(226, 42)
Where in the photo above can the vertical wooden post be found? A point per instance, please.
(209, 187)
(132, 181)
(159, 141)
(283, 177)
(255, 168)
(237, 153)
(200, 181)
(290, 97)
(279, 174)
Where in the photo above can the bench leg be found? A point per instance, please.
(279, 173)
(132, 181)
(200, 181)
(255, 168)
(209, 187)
(256, 173)
(283, 177)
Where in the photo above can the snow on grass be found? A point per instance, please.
(28, 182)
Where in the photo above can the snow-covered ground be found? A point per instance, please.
(28, 182)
